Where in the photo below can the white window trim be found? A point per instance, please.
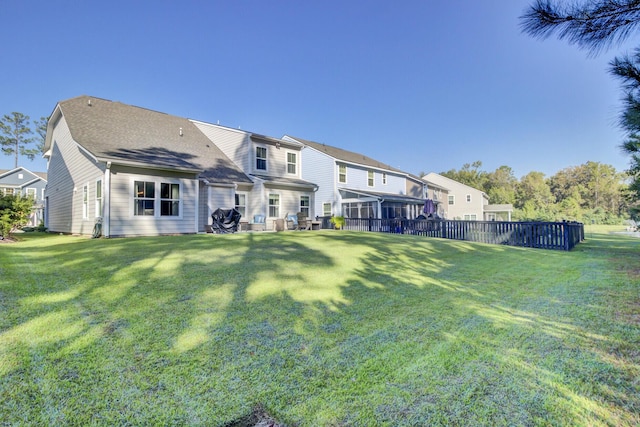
(266, 158)
(371, 178)
(85, 201)
(246, 198)
(156, 200)
(346, 175)
(98, 208)
(35, 192)
(269, 205)
(451, 200)
(324, 211)
(308, 207)
(296, 163)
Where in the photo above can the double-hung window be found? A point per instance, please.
(342, 174)
(99, 197)
(261, 158)
(326, 209)
(274, 205)
(144, 197)
(85, 202)
(169, 199)
(241, 203)
(304, 205)
(31, 193)
(468, 198)
(292, 163)
(452, 200)
(370, 178)
(384, 178)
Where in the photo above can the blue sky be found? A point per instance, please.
(421, 85)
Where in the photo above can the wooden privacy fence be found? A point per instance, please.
(542, 235)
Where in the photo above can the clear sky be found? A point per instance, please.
(420, 85)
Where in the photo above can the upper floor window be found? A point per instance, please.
(292, 162)
(452, 200)
(342, 174)
(31, 193)
(384, 178)
(370, 176)
(261, 158)
(169, 199)
(468, 197)
(144, 196)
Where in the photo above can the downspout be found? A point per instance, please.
(106, 208)
(197, 215)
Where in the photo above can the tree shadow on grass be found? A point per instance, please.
(202, 329)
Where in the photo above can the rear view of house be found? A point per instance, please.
(140, 172)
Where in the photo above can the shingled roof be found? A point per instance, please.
(346, 156)
(117, 132)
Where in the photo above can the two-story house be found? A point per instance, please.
(140, 171)
(467, 203)
(32, 184)
(275, 168)
(357, 186)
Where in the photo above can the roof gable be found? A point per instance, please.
(121, 133)
(20, 176)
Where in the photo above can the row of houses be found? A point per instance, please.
(145, 172)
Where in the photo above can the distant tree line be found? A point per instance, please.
(18, 136)
(596, 25)
(592, 192)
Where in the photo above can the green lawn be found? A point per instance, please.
(322, 328)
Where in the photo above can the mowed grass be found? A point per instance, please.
(322, 328)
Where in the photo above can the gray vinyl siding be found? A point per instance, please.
(213, 198)
(235, 144)
(320, 169)
(70, 169)
(125, 223)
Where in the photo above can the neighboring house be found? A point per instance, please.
(356, 186)
(439, 195)
(463, 202)
(141, 171)
(275, 167)
(22, 181)
(467, 203)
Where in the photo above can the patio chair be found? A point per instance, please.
(259, 223)
(292, 222)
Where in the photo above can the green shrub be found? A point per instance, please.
(14, 212)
